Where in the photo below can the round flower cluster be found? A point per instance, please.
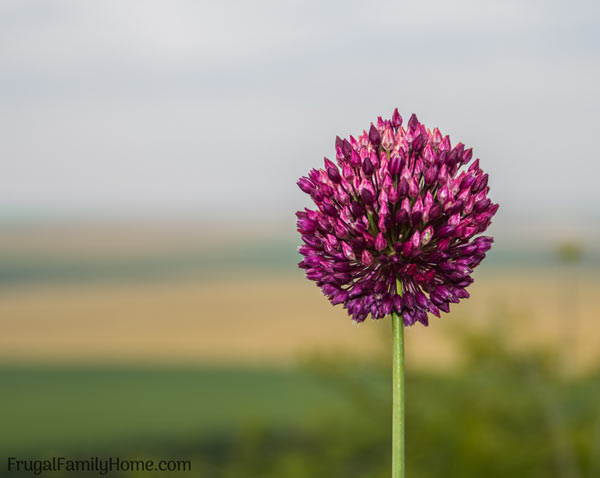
(396, 222)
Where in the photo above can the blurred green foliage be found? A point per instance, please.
(502, 413)
(569, 251)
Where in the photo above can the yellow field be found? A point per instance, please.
(276, 319)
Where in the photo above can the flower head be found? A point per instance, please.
(396, 222)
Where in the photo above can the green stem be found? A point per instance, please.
(398, 452)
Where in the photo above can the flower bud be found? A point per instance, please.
(396, 119)
(348, 252)
(482, 205)
(426, 235)
(346, 149)
(366, 258)
(340, 297)
(367, 167)
(355, 160)
(333, 241)
(421, 300)
(305, 185)
(445, 231)
(467, 182)
(444, 144)
(394, 165)
(388, 139)
(334, 174)
(480, 184)
(380, 242)
(329, 209)
(413, 188)
(374, 136)
(387, 306)
(429, 155)
(416, 240)
(413, 122)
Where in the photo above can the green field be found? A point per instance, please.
(502, 414)
(99, 409)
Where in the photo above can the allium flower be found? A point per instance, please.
(396, 222)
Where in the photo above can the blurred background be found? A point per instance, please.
(150, 303)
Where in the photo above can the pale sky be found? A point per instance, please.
(209, 108)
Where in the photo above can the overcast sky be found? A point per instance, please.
(210, 108)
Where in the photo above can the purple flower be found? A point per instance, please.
(396, 222)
